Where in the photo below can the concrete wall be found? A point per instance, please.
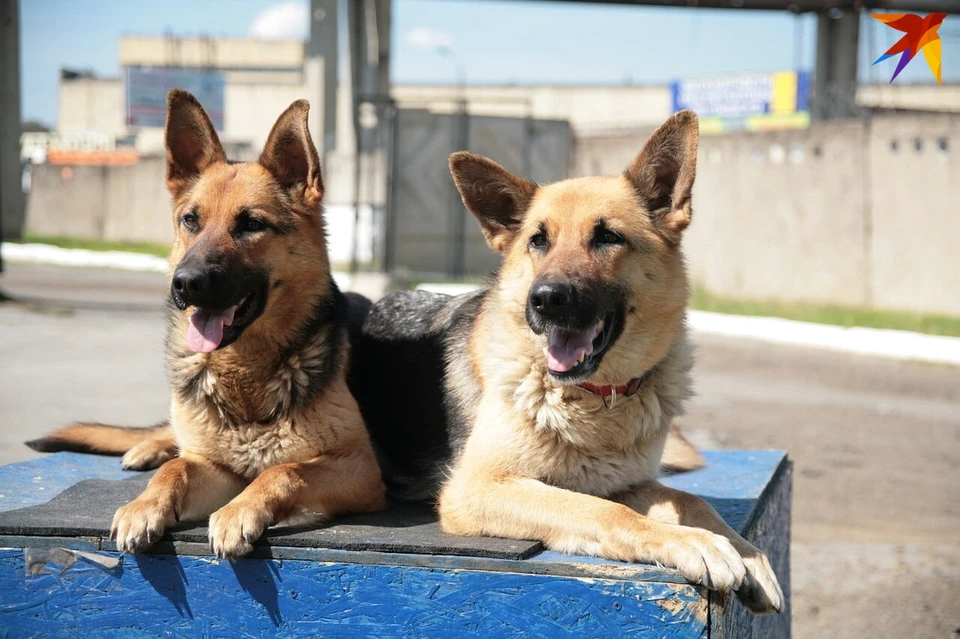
(915, 213)
(849, 213)
(125, 203)
(781, 216)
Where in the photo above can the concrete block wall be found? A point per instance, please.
(780, 216)
(138, 205)
(122, 203)
(914, 213)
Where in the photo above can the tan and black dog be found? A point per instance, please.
(561, 379)
(257, 350)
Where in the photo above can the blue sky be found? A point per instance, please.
(497, 42)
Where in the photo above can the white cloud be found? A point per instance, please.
(285, 21)
(424, 38)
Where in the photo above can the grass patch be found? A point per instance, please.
(160, 250)
(835, 315)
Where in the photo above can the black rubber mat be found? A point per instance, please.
(86, 510)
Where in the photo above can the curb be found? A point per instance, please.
(48, 254)
(857, 340)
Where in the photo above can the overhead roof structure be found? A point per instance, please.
(795, 6)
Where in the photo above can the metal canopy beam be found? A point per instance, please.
(794, 6)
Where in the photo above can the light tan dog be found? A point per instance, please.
(562, 378)
(257, 350)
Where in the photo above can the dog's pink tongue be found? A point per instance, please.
(566, 347)
(205, 331)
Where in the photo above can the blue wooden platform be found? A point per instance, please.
(303, 591)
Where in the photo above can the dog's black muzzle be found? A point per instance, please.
(202, 284)
(565, 311)
(210, 282)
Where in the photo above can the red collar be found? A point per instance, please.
(613, 392)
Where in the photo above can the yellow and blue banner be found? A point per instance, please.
(751, 102)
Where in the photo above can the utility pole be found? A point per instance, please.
(11, 189)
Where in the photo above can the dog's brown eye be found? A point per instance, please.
(253, 225)
(539, 240)
(606, 236)
(190, 221)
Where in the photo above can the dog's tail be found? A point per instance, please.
(142, 448)
(679, 455)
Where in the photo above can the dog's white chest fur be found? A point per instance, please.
(573, 441)
(607, 473)
(595, 450)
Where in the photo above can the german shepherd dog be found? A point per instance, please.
(560, 379)
(257, 351)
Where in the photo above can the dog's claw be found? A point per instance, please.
(235, 527)
(761, 592)
(708, 559)
(138, 524)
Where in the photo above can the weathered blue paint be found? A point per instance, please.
(771, 532)
(39, 480)
(321, 592)
(193, 597)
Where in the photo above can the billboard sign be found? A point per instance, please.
(147, 87)
(754, 101)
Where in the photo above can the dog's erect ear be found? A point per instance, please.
(663, 174)
(290, 155)
(191, 141)
(495, 196)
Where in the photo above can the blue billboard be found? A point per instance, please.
(147, 87)
(752, 101)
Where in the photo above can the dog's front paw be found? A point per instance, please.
(149, 455)
(141, 523)
(708, 559)
(235, 527)
(760, 591)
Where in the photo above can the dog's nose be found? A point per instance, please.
(190, 283)
(550, 298)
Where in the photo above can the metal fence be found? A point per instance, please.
(420, 224)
